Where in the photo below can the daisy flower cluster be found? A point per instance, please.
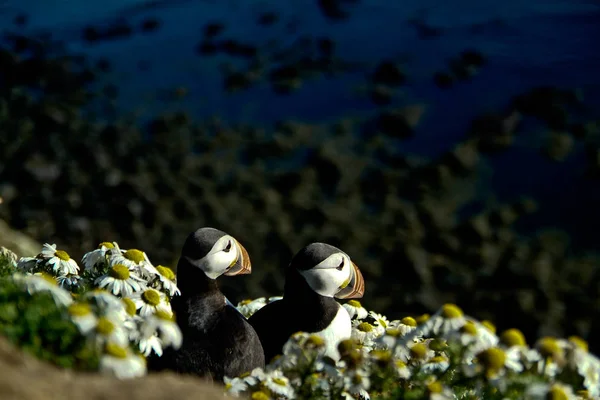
(447, 355)
(118, 300)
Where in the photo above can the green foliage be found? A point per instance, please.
(37, 325)
(7, 267)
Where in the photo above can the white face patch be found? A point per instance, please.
(219, 259)
(329, 276)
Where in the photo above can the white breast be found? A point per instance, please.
(339, 329)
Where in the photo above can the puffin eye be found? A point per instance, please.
(341, 266)
(228, 247)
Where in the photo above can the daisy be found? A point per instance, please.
(95, 260)
(356, 310)
(149, 301)
(166, 279)
(364, 333)
(83, 316)
(120, 281)
(105, 303)
(109, 329)
(121, 362)
(473, 335)
(158, 331)
(416, 353)
(587, 365)
(552, 354)
(356, 381)
(436, 364)
(235, 386)
(402, 370)
(404, 326)
(41, 282)
(490, 362)
(379, 321)
(437, 391)
(542, 391)
(148, 341)
(448, 319)
(59, 260)
(248, 307)
(278, 384)
(136, 260)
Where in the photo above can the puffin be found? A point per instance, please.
(217, 341)
(315, 277)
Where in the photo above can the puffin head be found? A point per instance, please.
(328, 271)
(215, 253)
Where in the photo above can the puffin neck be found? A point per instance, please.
(193, 282)
(298, 293)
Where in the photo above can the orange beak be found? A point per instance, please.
(356, 288)
(242, 265)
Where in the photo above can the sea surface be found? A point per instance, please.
(526, 44)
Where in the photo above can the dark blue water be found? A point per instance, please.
(526, 44)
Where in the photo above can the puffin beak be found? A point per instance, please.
(242, 265)
(356, 288)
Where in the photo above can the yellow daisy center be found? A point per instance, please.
(245, 302)
(421, 319)
(365, 327)
(393, 332)
(259, 396)
(129, 305)
(135, 255)
(438, 345)
(79, 309)
(556, 393)
(245, 374)
(513, 337)
(488, 324)
(418, 351)
(438, 359)
(354, 303)
(409, 321)
(48, 278)
(435, 387)
(315, 340)
(164, 315)
(584, 394)
(469, 328)
(108, 245)
(451, 311)
(227, 386)
(400, 364)
(381, 355)
(119, 271)
(166, 272)
(346, 346)
(579, 342)
(280, 381)
(549, 347)
(115, 350)
(105, 327)
(151, 297)
(63, 255)
(492, 359)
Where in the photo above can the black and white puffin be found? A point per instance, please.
(317, 275)
(217, 340)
